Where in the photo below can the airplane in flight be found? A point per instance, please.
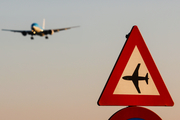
(135, 78)
(38, 30)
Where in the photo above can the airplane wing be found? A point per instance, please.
(24, 32)
(136, 70)
(137, 86)
(51, 31)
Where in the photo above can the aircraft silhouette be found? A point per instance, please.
(135, 78)
(38, 30)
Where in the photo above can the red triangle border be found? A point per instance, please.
(107, 97)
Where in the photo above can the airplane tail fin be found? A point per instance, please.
(43, 26)
(146, 78)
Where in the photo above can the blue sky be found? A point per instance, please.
(63, 77)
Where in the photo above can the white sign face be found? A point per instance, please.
(126, 86)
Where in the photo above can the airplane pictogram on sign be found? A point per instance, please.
(141, 87)
(135, 79)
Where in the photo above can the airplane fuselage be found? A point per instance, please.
(134, 78)
(36, 29)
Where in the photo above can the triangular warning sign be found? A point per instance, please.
(135, 79)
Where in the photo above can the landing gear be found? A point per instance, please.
(32, 37)
(46, 37)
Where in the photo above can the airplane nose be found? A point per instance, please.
(125, 78)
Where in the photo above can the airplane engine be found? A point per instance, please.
(24, 33)
(51, 32)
